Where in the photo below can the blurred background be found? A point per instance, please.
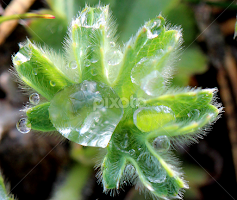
(41, 167)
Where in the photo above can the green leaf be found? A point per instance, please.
(38, 117)
(93, 45)
(37, 70)
(105, 97)
(129, 154)
(183, 102)
(73, 187)
(3, 191)
(152, 46)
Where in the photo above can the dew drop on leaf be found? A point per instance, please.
(151, 35)
(52, 83)
(23, 125)
(124, 143)
(73, 64)
(115, 58)
(194, 114)
(152, 118)
(87, 63)
(93, 72)
(138, 72)
(153, 83)
(94, 60)
(82, 114)
(112, 44)
(161, 143)
(35, 72)
(34, 98)
(19, 58)
(151, 168)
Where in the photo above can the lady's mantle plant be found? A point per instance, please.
(102, 95)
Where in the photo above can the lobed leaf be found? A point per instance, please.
(36, 70)
(130, 148)
(153, 46)
(38, 117)
(93, 45)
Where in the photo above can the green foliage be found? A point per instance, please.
(72, 187)
(103, 95)
(129, 16)
(3, 191)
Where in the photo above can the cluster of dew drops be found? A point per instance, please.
(161, 143)
(23, 125)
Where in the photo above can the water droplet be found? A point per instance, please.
(73, 64)
(115, 58)
(52, 83)
(23, 125)
(131, 152)
(112, 44)
(93, 72)
(19, 58)
(194, 113)
(137, 72)
(35, 71)
(152, 118)
(161, 143)
(83, 17)
(151, 168)
(34, 98)
(87, 63)
(155, 24)
(151, 35)
(94, 60)
(153, 83)
(81, 108)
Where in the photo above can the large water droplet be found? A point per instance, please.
(152, 35)
(19, 58)
(115, 57)
(161, 143)
(34, 98)
(138, 71)
(153, 83)
(151, 168)
(73, 64)
(23, 125)
(153, 28)
(152, 118)
(155, 24)
(81, 113)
